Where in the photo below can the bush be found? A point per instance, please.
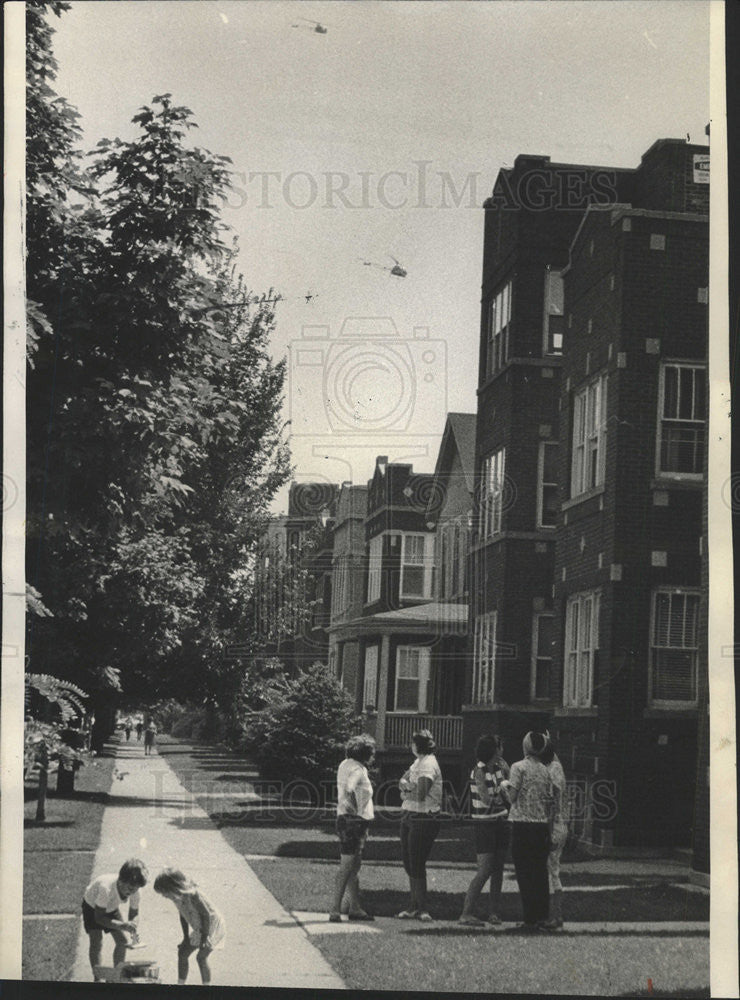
(166, 714)
(262, 681)
(302, 730)
(191, 725)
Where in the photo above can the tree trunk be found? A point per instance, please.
(43, 784)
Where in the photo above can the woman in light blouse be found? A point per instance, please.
(530, 791)
(421, 795)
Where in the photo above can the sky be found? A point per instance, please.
(378, 141)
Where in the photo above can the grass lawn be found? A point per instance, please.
(296, 862)
(59, 856)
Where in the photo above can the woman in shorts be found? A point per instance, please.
(489, 812)
(354, 815)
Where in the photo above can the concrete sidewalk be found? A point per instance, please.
(265, 945)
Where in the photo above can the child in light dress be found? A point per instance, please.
(203, 926)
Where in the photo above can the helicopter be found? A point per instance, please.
(319, 28)
(397, 269)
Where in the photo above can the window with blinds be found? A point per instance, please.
(674, 648)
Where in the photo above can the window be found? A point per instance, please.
(589, 437)
(492, 494)
(484, 658)
(374, 569)
(340, 586)
(412, 679)
(674, 648)
(370, 685)
(542, 640)
(554, 319)
(547, 485)
(499, 324)
(682, 415)
(416, 565)
(581, 642)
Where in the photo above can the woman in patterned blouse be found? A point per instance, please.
(530, 791)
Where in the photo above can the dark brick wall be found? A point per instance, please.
(665, 178)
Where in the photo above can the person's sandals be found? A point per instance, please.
(335, 918)
(471, 921)
(427, 918)
(360, 915)
(408, 915)
(494, 919)
(551, 925)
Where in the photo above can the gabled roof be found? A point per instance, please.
(459, 433)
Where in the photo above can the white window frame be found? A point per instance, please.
(421, 654)
(425, 563)
(541, 483)
(374, 568)
(536, 657)
(548, 348)
(664, 423)
(499, 328)
(581, 617)
(484, 658)
(370, 678)
(674, 592)
(492, 494)
(588, 436)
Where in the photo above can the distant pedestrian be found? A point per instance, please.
(489, 812)
(530, 792)
(421, 795)
(150, 734)
(139, 730)
(202, 925)
(128, 727)
(354, 815)
(101, 910)
(558, 834)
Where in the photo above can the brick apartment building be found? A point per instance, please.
(293, 577)
(589, 458)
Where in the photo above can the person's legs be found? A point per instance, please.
(498, 860)
(96, 949)
(521, 853)
(421, 838)
(184, 951)
(205, 969)
(540, 886)
(485, 862)
(555, 885)
(405, 833)
(347, 868)
(119, 951)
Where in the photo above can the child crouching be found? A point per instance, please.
(203, 926)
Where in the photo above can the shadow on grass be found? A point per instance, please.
(43, 824)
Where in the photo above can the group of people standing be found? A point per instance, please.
(522, 808)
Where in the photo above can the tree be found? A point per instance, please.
(301, 732)
(147, 401)
(43, 740)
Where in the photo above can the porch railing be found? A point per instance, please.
(446, 729)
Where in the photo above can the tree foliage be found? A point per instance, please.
(303, 728)
(150, 405)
